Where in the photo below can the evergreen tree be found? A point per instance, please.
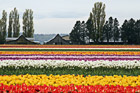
(116, 31)
(98, 16)
(106, 31)
(28, 29)
(89, 26)
(110, 28)
(79, 34)
(124, 32)
(137, 30)
(75, 33)
(131, 31)
(16, 25)
(10, 25)
(128, 32)
(83, 33)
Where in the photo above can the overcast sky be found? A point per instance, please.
(59, 16)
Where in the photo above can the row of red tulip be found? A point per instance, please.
(68, 88)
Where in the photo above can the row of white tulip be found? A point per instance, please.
(128, 64)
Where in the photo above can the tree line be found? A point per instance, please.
(13, 29)
(97, 30)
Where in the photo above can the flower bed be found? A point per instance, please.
(69, 46)
(70, 49)
(127, 64)
(68, 89)
(70, 53)
(63, 80)
(43, 69)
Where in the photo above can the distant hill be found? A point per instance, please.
(45, 37)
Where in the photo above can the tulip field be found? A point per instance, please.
(69, 68)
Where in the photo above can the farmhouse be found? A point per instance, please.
(58, 40)
(20, 40)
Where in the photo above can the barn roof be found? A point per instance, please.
(20, 40)
(57, 36)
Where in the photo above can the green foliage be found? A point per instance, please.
(137, 31)
(3, 27)
(98, 17)
(14, 25)
(128, 31)
(82, 33)
(111, 30)
(131, 37)
(124, 31)
(110, 23)
(106, 31)
(1, 31)
(28, 29)
(116, 31)
(65, 70)
(90, 29)
(4, 19)
(75, 33)
(10, 25)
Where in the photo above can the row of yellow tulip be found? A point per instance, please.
(73, 52)
(57, 80)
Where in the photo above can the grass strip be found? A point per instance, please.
(63, 71)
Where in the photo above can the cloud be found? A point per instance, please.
(59, 16)
(55, 25)
(68, 15)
